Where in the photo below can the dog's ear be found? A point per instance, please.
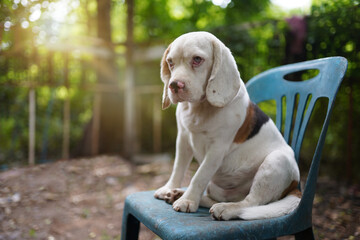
(165, 77)
(224, 81)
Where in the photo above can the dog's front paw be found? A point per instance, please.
(173, 195)
(185, 205)
(223, 211)
(162, 192)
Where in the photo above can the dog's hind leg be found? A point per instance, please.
(274, 176)
(207, 202)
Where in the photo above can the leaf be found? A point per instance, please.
(32, 233)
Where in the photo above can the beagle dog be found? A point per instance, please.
(246, 169)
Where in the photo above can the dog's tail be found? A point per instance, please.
(275, 209)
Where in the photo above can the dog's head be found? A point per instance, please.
(197, 67)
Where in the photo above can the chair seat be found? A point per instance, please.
(160, 218)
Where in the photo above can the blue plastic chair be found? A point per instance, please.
(159, 216)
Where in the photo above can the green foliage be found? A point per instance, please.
(334, 30)
(246, 11)
(256, 46)
(167, 19)
(34, 54)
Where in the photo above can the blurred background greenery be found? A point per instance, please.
(87, 59)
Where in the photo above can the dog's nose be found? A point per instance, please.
(175, 86)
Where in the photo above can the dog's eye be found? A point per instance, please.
(197, 61)
(170, 62)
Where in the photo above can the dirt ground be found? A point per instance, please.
(83, 199)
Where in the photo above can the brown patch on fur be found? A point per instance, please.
(247, 126)
(292, 190)
(296, 193)
(165, 71)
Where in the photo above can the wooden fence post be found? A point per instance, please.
(96, 124)
(129, 128)
(32, 127)
(156, 124)
(66, 119)
(66, 128)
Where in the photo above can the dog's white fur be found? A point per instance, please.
(243, 179)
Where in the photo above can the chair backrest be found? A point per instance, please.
(302, 96)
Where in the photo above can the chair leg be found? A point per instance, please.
(307, 234)
(130, 229)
